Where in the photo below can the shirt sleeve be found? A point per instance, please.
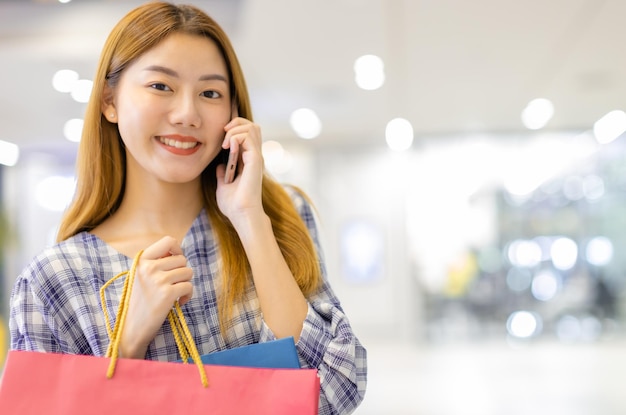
(29, 321)
(327, 341)
(51, 311)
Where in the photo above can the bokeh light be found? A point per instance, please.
(369, 72)
(305, 123)
(564, 253)
(54, 193)
(599, 251)
(64, 80)
(524, 324)
(524, 253)
(537, 113)
(399, 134)
(545, 285)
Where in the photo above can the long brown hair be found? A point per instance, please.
(101, 164)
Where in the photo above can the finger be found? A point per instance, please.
(242, 141)
(165, 285)
(185, 289)
(154, 272)
(171, 262)
(237, 122)
(232, 132)
(177, 276)
(165, 246)
(249, 132)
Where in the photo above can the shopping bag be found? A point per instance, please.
(57, 384)
(276, 354)
(63, 384)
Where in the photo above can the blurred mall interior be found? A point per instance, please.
(474, 240)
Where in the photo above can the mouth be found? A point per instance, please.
(181, 145)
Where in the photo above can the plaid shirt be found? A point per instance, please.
(55, 307)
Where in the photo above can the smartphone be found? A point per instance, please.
(233, 155)
(231, 166)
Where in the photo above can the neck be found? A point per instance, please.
(161, 207)
(149, 211)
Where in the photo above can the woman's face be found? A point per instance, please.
(171, 106)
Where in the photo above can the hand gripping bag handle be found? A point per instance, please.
(184, 340)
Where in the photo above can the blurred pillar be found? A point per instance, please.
(3, 241)
(4, 230)
(398, 76)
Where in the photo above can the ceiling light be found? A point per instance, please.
(399, 134)
(9, 153)
(305, 123)
(537, 113)
(609, 127)
(369, 72)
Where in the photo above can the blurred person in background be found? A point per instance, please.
(238, 250)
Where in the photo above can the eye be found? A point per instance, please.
(160, 87)
(211, 94)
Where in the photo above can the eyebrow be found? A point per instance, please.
(173, 73)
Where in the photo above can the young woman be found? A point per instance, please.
(241, 254)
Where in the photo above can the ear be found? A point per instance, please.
(108, 105)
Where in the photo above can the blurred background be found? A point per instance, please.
(467, 160)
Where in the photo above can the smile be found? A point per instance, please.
(183, 145)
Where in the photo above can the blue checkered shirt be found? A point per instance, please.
(55, 307)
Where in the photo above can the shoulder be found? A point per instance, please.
(305, 208)
(73, 250)
(301, 201)
(81, 254)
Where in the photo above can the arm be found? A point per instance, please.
(327, 341)
(283, 306)
(282, 303)
(324, 337)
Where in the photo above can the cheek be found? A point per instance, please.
(215, 124)
(130, 127)
(135, 119)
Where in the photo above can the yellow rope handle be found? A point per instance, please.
(182, 335)
(180, 345)
(187, 346)
(114, 335)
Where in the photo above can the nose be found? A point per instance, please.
(185, 112)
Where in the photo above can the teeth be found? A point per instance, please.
(178, 144)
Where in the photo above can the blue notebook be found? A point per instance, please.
(277, 354)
